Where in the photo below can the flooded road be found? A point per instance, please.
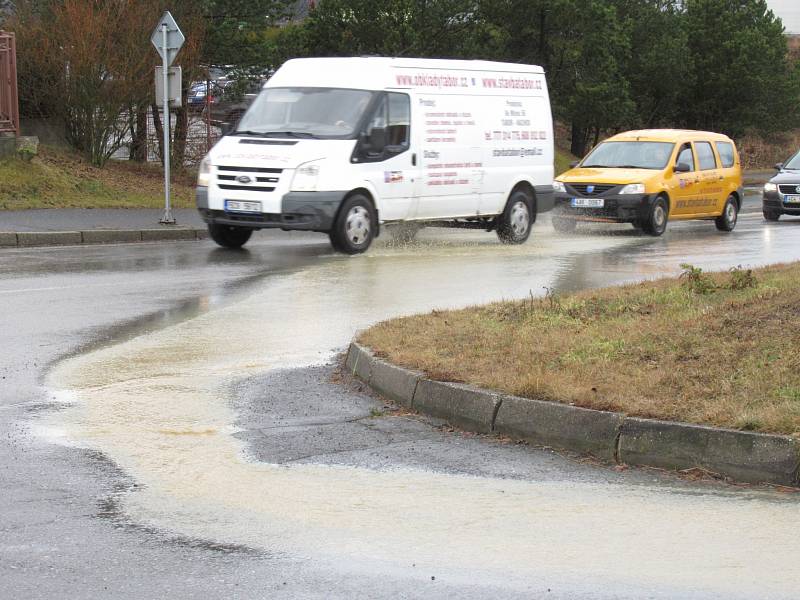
(160, 403)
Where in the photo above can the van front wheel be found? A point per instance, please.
(354, 227)
(514, 224)
(228, 236)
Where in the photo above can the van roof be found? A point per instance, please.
(667, 135)
(381, 72)
(383, 62)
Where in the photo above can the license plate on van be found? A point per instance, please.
(242, 206)
(793, 199)
(587, 202)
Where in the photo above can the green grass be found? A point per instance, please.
(59, 179)
(563, 158)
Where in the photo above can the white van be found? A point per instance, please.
(343, 145)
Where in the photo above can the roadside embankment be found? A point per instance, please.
(57, 178)
(698, 371)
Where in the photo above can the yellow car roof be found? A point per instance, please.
(666, 135)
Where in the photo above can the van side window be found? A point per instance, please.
(388, 130)
(399, 120)
(705, 156)
(686, 156)
(726, 155)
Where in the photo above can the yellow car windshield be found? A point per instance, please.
(630, 155)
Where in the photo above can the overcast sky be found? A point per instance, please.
(789, 12)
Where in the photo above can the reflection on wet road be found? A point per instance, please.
(157, 405)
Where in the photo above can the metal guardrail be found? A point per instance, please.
(9, 100)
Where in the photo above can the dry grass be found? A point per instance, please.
(721, 349)
(60, 179)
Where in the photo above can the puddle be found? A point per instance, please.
(155, 405)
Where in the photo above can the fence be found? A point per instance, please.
(9, 101)
(200, 137)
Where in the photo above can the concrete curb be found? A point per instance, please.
(466, 406)
(614, 437)
(741, 455)
(27, 239)
(582, 430)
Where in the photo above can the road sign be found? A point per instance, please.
(174, 75)
(174, 41)
(168, 39)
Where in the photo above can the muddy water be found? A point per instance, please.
(156, 405)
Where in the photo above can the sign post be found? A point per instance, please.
(168, 40)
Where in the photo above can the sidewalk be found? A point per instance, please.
(69, 226)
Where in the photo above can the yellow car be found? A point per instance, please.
(648, 177)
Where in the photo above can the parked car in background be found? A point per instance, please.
(782, 192)
(197, 94)
(648, 177)
(230, 103)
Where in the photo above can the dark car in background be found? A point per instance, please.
(228, 107)
(196, 99)
(782, 192)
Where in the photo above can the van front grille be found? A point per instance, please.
(248, 179)
(247, 188)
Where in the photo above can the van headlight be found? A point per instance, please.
(633, 188)
(204, 173)
(770, 187)
(305, 177)
(559, 187)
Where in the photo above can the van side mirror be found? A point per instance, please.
(226, 128)
(682, 167)
(574, 164)
(778, 166)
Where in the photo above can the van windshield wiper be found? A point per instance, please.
(297, 134)
(245, 132)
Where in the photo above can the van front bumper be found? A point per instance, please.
(620, 208)
(305, 211)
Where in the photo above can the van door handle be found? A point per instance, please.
(413, 159)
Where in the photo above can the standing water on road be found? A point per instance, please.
(158, 406)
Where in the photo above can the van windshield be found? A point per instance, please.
(630, 155)
(305, 112)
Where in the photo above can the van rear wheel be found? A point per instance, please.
(355, 225)
(514, 224)
(229, 236)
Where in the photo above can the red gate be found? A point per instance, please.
(9, 102)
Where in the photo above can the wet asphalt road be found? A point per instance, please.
(100, 501)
